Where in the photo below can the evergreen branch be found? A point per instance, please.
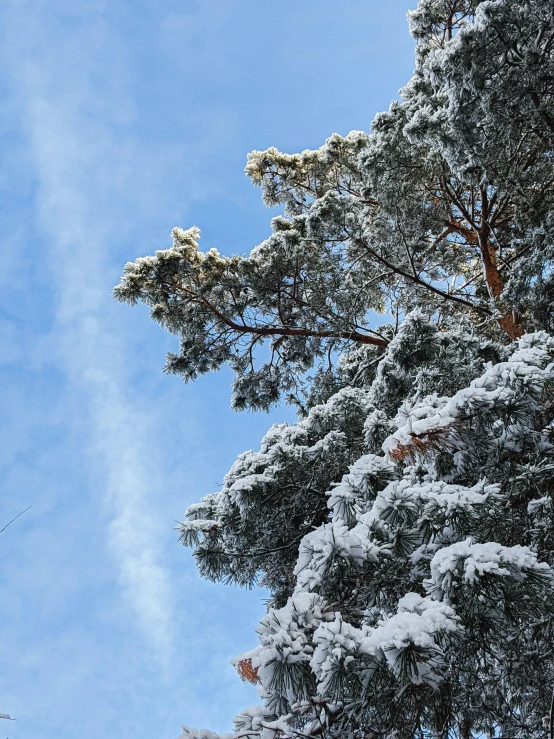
(293, 331)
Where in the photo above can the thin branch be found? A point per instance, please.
(418, 281)
(293, 331)
(277, 330)
(459, 204)
(14, 519)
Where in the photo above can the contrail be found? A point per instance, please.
(81, 169)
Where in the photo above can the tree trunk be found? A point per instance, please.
(511, 322)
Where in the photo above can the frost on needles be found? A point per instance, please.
(404, 525)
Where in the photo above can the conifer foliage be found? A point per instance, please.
(404, 525)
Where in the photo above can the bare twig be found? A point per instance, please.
(3, 529)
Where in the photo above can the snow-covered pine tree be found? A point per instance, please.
(404, 524)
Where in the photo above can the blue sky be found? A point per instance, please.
(120, 120)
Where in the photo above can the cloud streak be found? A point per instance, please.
(81, 174)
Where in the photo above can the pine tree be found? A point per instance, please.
(404, 525)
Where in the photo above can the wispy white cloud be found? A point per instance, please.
(83, 171)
